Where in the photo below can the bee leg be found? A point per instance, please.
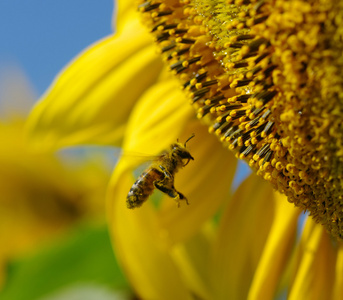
(181, 197)
(170, 191)
(166, 189)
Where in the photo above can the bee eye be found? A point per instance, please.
(185, 155)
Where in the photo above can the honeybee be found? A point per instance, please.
(160, 175)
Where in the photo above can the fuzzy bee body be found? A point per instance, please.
(143, 187)
(160, 175)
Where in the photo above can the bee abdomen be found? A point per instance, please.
(140, 190)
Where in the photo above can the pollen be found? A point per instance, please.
(267, 78)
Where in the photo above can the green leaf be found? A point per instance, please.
(85, 257)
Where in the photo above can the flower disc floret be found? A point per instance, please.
(267, 78)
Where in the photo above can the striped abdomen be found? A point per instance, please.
(143, 187)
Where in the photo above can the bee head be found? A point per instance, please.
(181, 152)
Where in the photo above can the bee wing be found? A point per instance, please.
(140, 158)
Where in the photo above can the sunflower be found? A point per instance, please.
(262, 76)
(267, 77)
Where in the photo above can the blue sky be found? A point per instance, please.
(41, 37)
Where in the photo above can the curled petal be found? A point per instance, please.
(91, 99)
(123, 10)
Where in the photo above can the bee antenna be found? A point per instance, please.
(192, 136)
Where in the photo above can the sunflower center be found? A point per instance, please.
(267, 76)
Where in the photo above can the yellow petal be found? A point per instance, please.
(122, 11)
(91, 99)
(192, 257)
(157, 119)
(138, 240)
(277, 250)
(139, 244)
(315, 274)
(243, 231)
(206, 183)
(338, 286)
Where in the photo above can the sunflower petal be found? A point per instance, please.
(191, 258)
(315, 274)
(243, 231)
(338, 287)
(152, 117)
(90, 100)
(122, 11)
(139, 244)
(276, 251)
(138, 239)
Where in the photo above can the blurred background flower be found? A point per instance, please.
(53, 234)
(52, 211)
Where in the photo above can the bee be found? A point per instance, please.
(160, 175)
